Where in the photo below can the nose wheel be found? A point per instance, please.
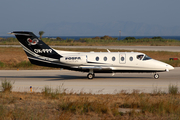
(90, 76)
(156, 76)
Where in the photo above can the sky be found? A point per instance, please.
(36, 15)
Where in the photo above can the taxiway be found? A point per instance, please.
(77, 82)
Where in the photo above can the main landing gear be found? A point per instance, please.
(91, 74)
(156, 76)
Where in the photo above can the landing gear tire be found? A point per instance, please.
(156, 76)
(90, 76)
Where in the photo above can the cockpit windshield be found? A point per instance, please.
(143, 57)
(146, 57)
(140, 57)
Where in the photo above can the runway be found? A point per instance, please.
(141, 48)
(77, 82)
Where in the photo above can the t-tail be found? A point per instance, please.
(37, 51)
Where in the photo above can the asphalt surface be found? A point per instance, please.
(77, 82)
(143, 48)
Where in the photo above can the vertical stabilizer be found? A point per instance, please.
(36, 49)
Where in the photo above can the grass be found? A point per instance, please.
(83, 106)
(49, 92)
(175, 63)
(23, 64)
(173, 89)
(6, 85)
(18, 105)
(2, 65)
(157, 91)
(57, 104)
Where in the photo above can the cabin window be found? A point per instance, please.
(122, 58)
(140, 57)
(113, 58)
(131, 58)
(105, 58)
(97, 58)
(146, 57)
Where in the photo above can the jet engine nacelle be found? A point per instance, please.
(75, 60)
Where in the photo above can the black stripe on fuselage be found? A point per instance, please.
(95, 62)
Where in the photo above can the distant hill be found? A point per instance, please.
(111, 28)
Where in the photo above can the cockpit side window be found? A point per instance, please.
(146, 57)
(140, 57)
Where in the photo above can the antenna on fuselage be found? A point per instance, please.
(108, 51)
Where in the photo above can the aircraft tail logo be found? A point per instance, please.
(32, 42)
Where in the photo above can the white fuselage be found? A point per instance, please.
(113, 61)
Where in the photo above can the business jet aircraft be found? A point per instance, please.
(92, 62)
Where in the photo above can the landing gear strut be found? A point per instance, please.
(156, 76)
